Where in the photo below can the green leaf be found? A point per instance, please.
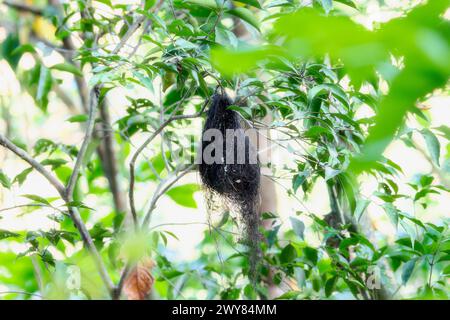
(298, 181)
(184, 195)
(239, 61)
(78, 204)
(78, 118)
(246, 15)
(210, 4)
(290, 295)
(311, 254)
(148, 4)
(254, 3)
(36, 198)
(444, 130)
(109, 4)
(446, 271)
(20, 178)
(288, 254)
(316, 132)
(298, 226)
(244, 111)
(23, 48)
(144, 80)
(433, 145)
(392, 213)
(330, 173)
(7, 48)
(361, 206)
(407, 271)
(7, 234)
(44, 87)
(4, 180)
(170, 274)
(329, 286)
(349, 3)
(54, 163)
(67, 67)
(335, 90)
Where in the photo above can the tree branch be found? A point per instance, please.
(87, 139)
(5, 142)
(160, 191)
(128, 34)
(110, 160)
(89, 243)
(73, 212)
(144, 145)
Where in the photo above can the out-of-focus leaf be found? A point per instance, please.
(7, 234)
(7, 48)
(78, 204)
(290, 295)
(407, 271)
(433, 145)
(298, 181)
(54, 163)
(246, 15)
(78, 118)
(184, 195)
(44, 87)
(361, 206)
(210, 4)
(24, 48)
(239, 61)
(288, 254)
(254, 3)
(21, 177)
(4, 180)
(67, 67)
(329, 286)
(298, 226)
(311, 254)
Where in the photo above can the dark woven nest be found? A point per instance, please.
(237, 182)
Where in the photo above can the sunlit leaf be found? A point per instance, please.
(184, 195)
(298, 226)
(4, 180)
(433, 145)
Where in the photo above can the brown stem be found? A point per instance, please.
(110, 159)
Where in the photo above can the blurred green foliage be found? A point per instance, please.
(310, 70)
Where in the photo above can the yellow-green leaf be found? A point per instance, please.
(184, 195)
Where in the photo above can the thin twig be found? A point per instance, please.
(144, 145)
(162, 191)
(39, 205)
(123, 276)
(37, 273)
